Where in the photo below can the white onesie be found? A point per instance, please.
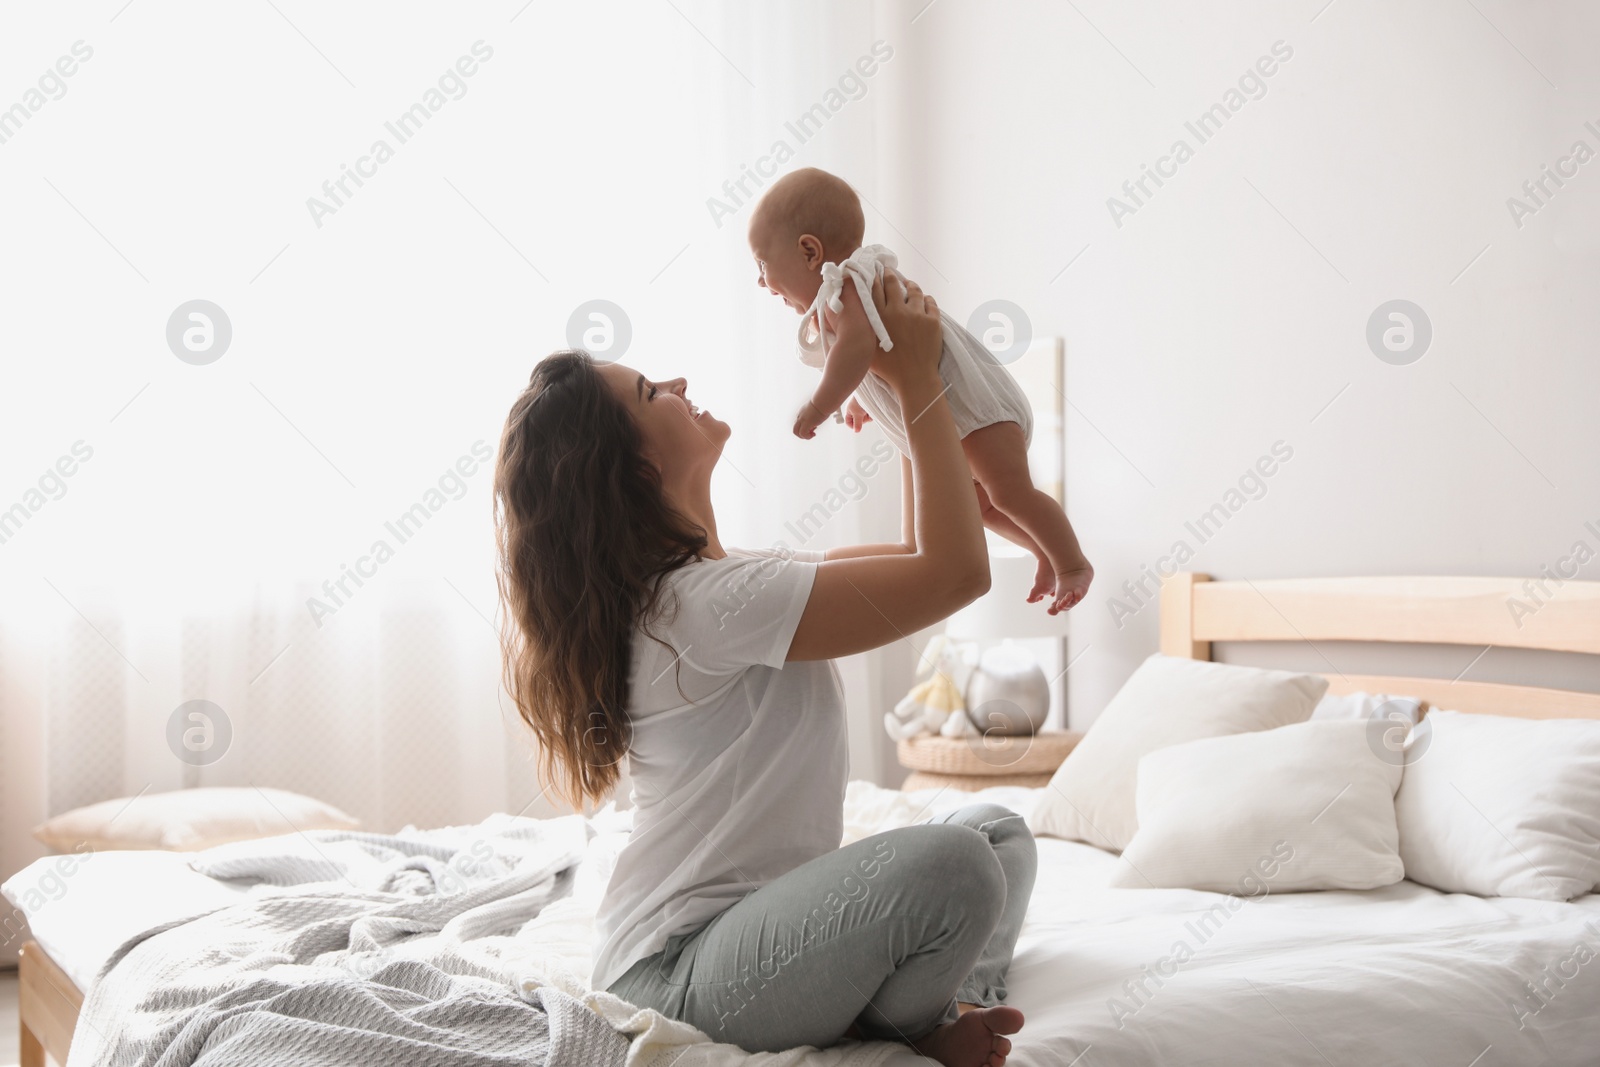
(980, 391)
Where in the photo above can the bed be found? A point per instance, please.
(1404, 974)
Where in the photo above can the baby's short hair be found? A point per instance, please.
(813, 201)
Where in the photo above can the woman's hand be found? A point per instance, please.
(912, 319)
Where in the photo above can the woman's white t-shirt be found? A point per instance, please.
(738, 759)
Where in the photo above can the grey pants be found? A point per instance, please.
(889, 933)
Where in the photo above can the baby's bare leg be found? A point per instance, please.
(1044, 577)
(998, 456)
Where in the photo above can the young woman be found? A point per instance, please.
(632, 632)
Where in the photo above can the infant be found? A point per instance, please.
(806, 237)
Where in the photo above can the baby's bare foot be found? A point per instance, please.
(1044, 581)
(977, 1039)
(1071, 587)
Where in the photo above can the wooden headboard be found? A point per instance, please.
(1504, 612)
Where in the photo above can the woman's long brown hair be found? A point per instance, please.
(586, 537)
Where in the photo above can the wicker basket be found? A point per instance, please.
(989, 756)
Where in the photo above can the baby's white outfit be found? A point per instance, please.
(979, 390)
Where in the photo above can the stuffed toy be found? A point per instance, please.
(936, 706)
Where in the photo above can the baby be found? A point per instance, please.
(806, 236)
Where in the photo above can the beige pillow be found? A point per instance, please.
(1302, 807)
(189, 820)
(1167, 701)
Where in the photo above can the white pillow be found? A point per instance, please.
(1503, 807)
(190, 819)
(1167, 701)
(1404, 710)
(1308, 806)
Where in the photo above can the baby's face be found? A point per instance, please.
(784, 267)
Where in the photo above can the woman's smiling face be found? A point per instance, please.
(677, 436)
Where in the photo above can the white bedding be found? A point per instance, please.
(109, 897)
(1400, 975)
(1397, 975)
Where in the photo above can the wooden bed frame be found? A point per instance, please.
(48, 1002)
(1196, 611)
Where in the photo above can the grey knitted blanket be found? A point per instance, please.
(354, 949)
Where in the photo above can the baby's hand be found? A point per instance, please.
(855, 416)
(806, 423)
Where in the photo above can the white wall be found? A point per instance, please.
(1228, 311)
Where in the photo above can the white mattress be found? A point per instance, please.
(1402, 975)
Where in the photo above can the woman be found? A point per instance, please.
(633, 632)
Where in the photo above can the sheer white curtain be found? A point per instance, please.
(208, 540)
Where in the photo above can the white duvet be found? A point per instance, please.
(1402, 975)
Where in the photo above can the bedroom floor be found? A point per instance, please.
(9, 1036)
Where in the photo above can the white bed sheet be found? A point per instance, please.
(1402, 975)
(108, 898)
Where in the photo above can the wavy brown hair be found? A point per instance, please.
(586, 537)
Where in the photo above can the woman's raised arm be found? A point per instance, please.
(865, 602)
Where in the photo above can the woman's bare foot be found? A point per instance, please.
(1071, 587)
(977, 1039)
